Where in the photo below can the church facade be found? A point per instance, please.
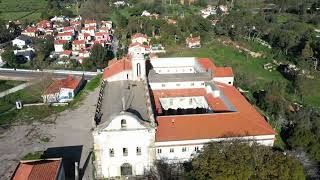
(153, 109)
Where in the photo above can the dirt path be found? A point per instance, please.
(70, 133)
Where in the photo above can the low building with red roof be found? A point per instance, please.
(138, 48)
(44, 24)
(139, 38)
(62, 90)
(30, 31)
(42, 169)
(58, 45)
(90, 23)
(66, 54)
(65, 36)
(168, 109)
(78, 45)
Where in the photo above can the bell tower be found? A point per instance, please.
(138, 67)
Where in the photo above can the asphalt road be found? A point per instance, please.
(23, 75)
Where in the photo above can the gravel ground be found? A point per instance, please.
(69, 134)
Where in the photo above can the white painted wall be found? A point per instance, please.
(58, 48)
(138, 50)
(191, 145)
(173, 62)
(177, 85)
(18, 42)
(225, 80)
(124, 75)
(174, 70)
(140, 40)
(133, 136)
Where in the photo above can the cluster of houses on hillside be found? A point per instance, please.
(73, 37)
(140, 44)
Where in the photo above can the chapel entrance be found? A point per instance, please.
(126, 169)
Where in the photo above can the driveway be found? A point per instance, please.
(69, 136)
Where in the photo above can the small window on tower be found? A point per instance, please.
(184, 149)
(123, 123)
(138, 151)
(159, 151)
(171, 150)
(111, 152)
(125, 151)
(163, 85)
(196, 149)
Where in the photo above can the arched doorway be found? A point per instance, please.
(126, 169)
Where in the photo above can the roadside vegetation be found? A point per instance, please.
(10, 115)
(8, 84)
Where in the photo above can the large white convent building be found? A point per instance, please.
(168, 108)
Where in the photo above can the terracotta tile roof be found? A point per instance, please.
(38, 170)
(117, 66)
(78, 42)
(44, 24)
(90, 21)
(138, 44)
(60, 41)
(68, 28)
(208, 64)
(69, 82)
(64, 34)
(101, 34)
(137, 35)
(245, 122)
(67, 52)
(31, 30)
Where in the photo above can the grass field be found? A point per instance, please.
(4, 85)
(21, 9)
(228, 56)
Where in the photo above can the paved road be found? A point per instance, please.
(69, 133)
(27, 75)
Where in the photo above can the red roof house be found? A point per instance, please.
(45, 169)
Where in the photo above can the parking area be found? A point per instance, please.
(64, 134)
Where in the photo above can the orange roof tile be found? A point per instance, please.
(78, 42)
(207, 64)
(65, 34)
(137, 35)
(69, 82)
(246, 121)
(193, 39)
(90, 21)
(31, 29)
(67, 52)
(38, 170)
(117, 66)
(60, 41)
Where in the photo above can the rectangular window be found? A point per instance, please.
(159, 151)
(196, 149)
(111, 152)
(171, 150)
(125, 151)
(138, 151)
(163, 85)
(177, 84)
(184, 149)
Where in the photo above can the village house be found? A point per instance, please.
(30, 31)
(106, 24)
(58, 45)
(139, 38)
(137, 48)
(63, 90)
(168, 111)
(210, 10)
(24, 54)
(84, 36)
(78, 45)
(193, 42)
(90, 23)
(90, 30)
(60, 19)
(69, 29)
(172, 21)
(75, 24)
(44, 24)
(101, 36)
(84, 54)
(68, 36)
(50, 169)
(22, 41)
(66, 54)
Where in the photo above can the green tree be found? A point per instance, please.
(9, 57)
(238, 160)
(99, 56)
